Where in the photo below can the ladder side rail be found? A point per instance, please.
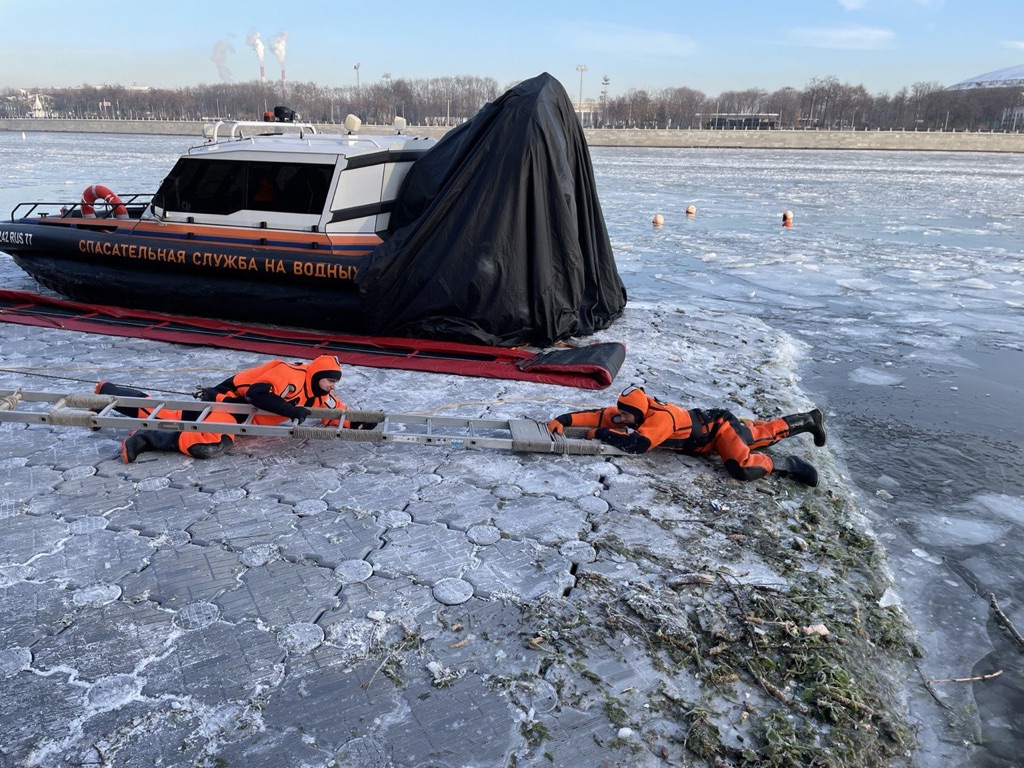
(568, 444)
(237, 408)
(456, 441)
(447, 421)
(24, 417)
(558, 446)
(173, 425)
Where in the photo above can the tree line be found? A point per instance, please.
(824, 103)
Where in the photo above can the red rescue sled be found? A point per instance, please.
(589, 367)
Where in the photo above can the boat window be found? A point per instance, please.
(194, 186)
(225, 186)
(288, 187)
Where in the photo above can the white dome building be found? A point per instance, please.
(1011, 77)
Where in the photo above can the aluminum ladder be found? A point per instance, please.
(98, 411)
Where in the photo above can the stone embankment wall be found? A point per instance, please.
(780, 139)
(783, 139)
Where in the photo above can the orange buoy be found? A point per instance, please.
(99, 192)
(658, 220)
(691, 211)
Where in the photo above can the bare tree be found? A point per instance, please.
(678, 107)
(822, 103)
(785, 102)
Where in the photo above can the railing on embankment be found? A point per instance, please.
(604, 137)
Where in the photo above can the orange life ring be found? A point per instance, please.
(99, 192)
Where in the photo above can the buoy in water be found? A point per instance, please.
(691, 211)
(658, 220)
(787, 218)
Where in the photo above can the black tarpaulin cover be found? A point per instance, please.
(498, 237)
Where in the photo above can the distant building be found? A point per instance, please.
(1011, 77)
(589, 113)
(761, 121)
(1013, 119)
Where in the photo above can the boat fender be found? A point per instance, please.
(99, 192)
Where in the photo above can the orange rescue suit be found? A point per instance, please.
(285, 390)
(694, 432)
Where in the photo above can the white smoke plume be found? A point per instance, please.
(277, 46)
(256, 44)
(219, 57)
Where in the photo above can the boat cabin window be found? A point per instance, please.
(225, 186)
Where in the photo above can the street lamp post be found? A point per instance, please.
(359, 95)
(581, 68)
(604, 100)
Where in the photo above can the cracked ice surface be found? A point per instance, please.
(319, 603)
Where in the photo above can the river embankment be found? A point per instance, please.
(935, 141)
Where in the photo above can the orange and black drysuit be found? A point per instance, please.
(283, 390)
(697, 432)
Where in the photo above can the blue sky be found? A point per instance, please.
(710, 46)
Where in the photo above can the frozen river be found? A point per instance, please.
(904, 276)
(902, 283)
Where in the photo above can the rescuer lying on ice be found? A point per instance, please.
(284, 390)
(639, 422)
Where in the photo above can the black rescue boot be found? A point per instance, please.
(106, 388)
(145, 440)
(812, 421)
(797, 469)
(116, 390)
(209, 450)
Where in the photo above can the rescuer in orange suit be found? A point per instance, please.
(639, 422)
(284, 390)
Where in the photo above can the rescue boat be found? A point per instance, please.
(264, 221)
(492, 235)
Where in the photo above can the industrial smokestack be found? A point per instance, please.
(257, 45)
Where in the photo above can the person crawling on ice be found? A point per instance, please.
(639, 423)
(283, 390)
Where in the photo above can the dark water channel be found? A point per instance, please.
(903, 279)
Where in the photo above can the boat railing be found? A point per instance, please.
(135, 203)
(233, 130)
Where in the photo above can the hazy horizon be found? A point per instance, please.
(884, 45)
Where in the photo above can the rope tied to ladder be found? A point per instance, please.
(78, 400)
(10, 402)
(533, 437)
(330, 433)
(67, 417)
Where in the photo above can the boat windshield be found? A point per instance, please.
(202, 185)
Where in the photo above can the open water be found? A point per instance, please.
(903, 283)
(904, 276)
